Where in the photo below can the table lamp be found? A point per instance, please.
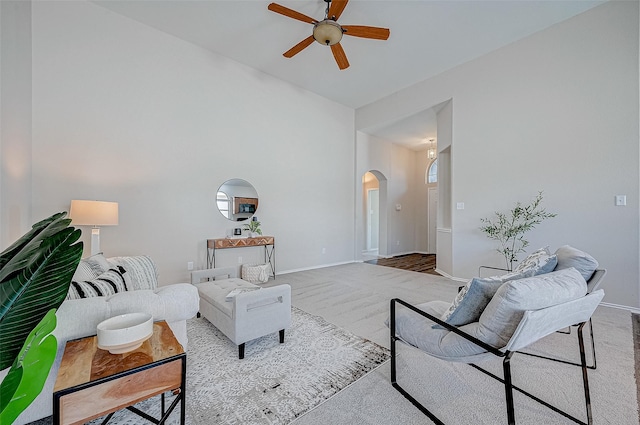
(94, 213)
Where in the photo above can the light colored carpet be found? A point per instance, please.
(356, 297)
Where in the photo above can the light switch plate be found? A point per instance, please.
(460, 205)
(621, 200)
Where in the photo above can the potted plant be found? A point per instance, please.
(35, 274)
(509, 229)
(254, 228)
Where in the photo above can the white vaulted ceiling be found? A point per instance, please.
(427, 38)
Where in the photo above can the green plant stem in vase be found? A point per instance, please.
(509, 229)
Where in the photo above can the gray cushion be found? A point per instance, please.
(569, 256)
(474, 297)
(540, 261)
(215, 292)
(500, 318)
(416, 330)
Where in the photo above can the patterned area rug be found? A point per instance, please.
(274, 384)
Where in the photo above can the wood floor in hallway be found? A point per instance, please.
(423, 263)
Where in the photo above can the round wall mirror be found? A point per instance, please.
(237, 200)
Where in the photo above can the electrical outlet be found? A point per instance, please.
(239, 260)
(190, 265)
(397, 243)
(324, 250)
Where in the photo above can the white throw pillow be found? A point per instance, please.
(91, 267)
(540, 261)
(141, 272)
(569, 256)
(108, 283)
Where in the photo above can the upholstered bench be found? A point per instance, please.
(246, 316)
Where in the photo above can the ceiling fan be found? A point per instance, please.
(328, 32)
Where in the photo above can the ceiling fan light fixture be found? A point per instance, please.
(327, 32)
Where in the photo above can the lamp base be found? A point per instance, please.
(95, 241)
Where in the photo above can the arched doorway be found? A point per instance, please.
(374, 195)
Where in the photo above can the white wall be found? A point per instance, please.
(15, 120)
(404, 186)
(557, 112)
(123, 112)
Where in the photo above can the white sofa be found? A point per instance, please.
(248, 315)
(78, 318)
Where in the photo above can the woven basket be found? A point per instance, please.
(255, 273)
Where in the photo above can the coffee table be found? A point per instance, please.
(92, 382)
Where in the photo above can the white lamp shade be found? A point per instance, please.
(93, 213)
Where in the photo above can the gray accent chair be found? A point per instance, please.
(520, 313)
(248, 315)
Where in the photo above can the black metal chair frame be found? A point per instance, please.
(506, 365)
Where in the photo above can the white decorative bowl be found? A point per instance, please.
(124, 333)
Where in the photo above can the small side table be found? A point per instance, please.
(92, 382)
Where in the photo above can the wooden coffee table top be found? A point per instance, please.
(84, 362)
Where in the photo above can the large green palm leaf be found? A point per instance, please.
(29, 371)
(34, 278)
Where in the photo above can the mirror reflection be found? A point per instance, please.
(237, 200)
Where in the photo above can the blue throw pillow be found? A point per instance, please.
(474, 297)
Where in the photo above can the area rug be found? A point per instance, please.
(275, 383)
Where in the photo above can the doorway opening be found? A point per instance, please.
(374, 214)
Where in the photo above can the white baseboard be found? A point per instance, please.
(448, 276)
(621, 307)
(304, 269)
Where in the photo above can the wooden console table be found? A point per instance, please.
(269, 243)
(92, 382)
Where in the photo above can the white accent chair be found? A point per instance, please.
(520, 313)
(248, 315)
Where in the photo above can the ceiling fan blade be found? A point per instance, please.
(336, 8)
(274, 7)
(366, 32)
(340, 56)
(298, 47)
